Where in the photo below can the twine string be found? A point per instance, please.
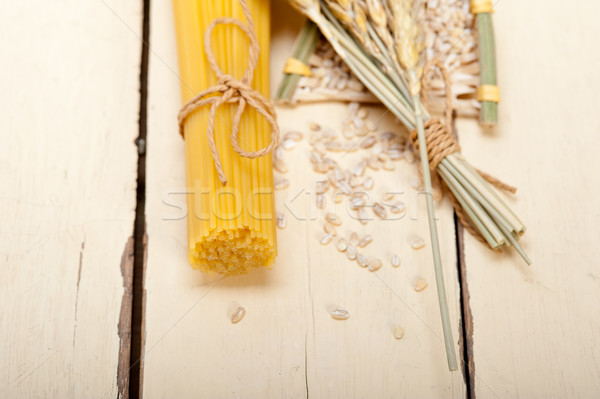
(441, 142)
(232, 90)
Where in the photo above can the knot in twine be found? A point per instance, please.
(232, 90)
(441, 142)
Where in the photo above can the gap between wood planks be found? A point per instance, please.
(136, 365)
(466, 317)
(465, 342)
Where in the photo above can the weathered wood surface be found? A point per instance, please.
(536, 329)
(69, 95)
(69, 99)
(287, 345)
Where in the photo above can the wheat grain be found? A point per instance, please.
(398, 332)
(420, 284)
(288, 144)
(281, 183)
(342, 245)
(379, 210)
(374, 264)
(281, 221)
(321, 201)
(329, 229)
(362, 260)
(387, 196)
(238, 314)
(333, 219)
(293, 135)
(417, 242)
(366, 240)
(326, 239)
(351, 252)
(339, 313)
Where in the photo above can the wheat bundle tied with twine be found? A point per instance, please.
(381, 42)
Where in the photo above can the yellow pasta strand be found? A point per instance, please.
(231, 229)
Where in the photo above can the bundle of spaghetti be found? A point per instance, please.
(231, 227)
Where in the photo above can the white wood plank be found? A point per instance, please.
(287, 345)
(536, 329)
(69, 100)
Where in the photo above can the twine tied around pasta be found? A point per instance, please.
(441, 142)
(232, 90)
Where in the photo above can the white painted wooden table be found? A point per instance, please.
(71, 103)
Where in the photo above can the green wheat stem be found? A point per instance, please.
(435, 244)
(488, 115)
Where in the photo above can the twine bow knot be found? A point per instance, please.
(232, 90)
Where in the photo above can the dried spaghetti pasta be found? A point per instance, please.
(231, 228)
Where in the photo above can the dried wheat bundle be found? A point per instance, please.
(383, 43)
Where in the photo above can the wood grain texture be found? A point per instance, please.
(287, 345)
(69, 99)
(536, 329)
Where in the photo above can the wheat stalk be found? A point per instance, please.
(406, 39)
(487, 60)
